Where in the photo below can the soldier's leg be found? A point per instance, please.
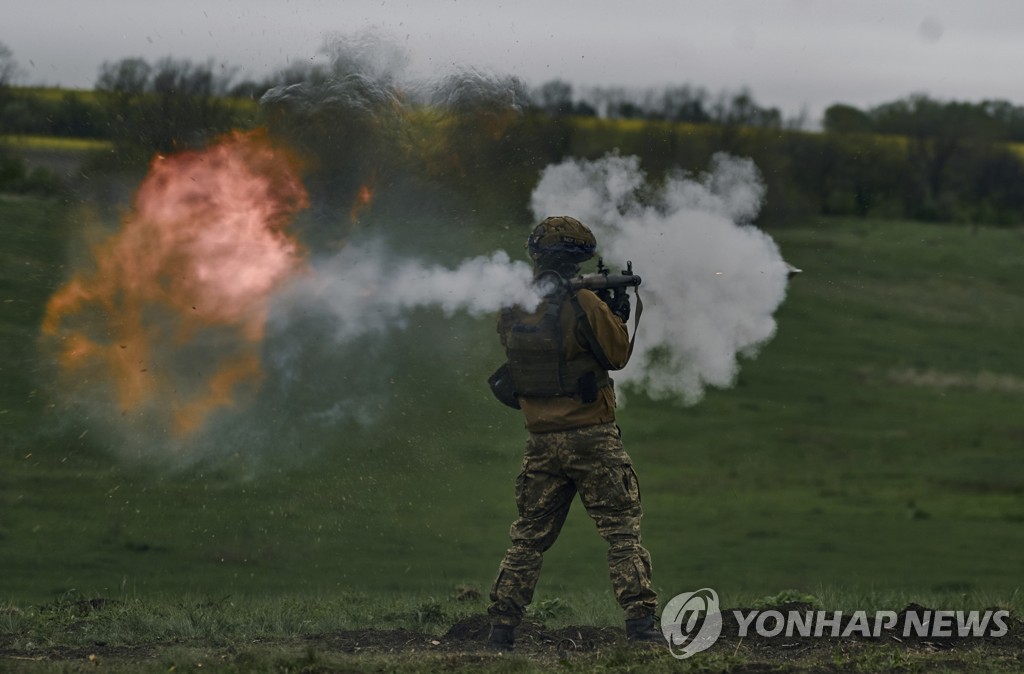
(609, 489)
(543, 496)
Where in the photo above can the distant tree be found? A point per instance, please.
(1007, 117)
(684, 104)
(676, 104)
(168, 105)
(122, 86)
(987, 180)
(618, 102)
(740, 109)
(555, 98)
(918, 116)
(9, 71)
(191, 102)
(922, 116)
(127, 77)
(842, 118)
(585, 109)
(936, 133)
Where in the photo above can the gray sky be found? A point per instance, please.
(792, 54)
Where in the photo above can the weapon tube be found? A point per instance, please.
(605, 280)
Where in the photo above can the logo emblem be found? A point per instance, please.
(691, 622)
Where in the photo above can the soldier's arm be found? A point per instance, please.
(609, 329)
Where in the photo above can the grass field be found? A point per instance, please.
(868, 458)
(55, 143)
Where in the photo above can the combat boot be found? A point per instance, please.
(502, 637)
(642, 630)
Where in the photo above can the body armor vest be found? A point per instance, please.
(536, 357)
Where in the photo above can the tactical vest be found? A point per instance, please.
(536, 358)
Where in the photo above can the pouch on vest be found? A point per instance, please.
(588, 387)
(501, 386)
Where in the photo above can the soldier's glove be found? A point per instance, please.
(619, 304)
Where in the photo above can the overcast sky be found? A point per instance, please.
(793, 54)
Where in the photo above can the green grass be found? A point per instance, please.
(870, 456)
(34, 233)
(825, 466)
(55, 143)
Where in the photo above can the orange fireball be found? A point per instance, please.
(173, 312)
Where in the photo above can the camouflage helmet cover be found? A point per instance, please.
(564, 237)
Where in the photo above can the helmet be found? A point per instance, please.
(563, 238)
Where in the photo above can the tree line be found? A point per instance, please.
(915, 158)
(922, 116)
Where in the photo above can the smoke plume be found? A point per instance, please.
(368, 291)
(711, 280)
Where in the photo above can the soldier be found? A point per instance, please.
(558, 358)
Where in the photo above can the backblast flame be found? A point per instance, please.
(364, 197)
(170, 319)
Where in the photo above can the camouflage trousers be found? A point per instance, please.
(590, 461)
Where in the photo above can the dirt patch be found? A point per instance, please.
(533, 636)
(469, 635)
(95, 653)
(385, 641)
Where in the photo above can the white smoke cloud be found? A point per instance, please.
(368, 292)
(711, 281)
